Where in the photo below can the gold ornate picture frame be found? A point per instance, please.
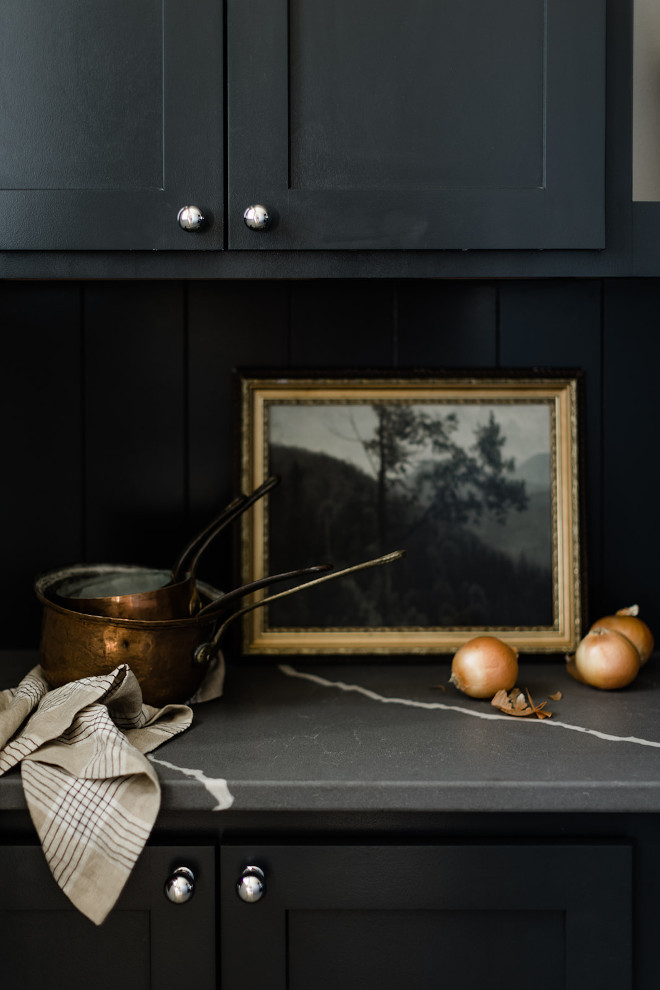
(475, 475)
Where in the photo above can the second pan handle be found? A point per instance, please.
(207, 651)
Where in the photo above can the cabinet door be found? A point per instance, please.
(417, 123)
(111, 120)
(145, 943)
(470, 916)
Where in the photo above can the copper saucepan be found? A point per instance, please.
(148, 593)
(169, 657)
(160, 653)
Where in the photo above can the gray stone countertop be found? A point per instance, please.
(303, 735)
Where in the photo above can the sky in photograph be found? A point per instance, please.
(339, 429)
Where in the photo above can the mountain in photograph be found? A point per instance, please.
(535, 472)
(454, 573)
(530, 531)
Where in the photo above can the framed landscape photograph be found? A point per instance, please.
(474, 475)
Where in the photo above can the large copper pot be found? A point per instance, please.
(161, 654)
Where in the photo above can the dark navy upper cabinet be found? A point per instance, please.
(361, 125)
(407, 124)
(111, 121)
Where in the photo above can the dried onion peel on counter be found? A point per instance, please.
(627, 621)
(483, 666)
(515, 703)
(605, 659)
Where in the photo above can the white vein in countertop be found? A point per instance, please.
(217, 786)
(492, 716)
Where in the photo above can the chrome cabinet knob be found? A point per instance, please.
(251, 885)
(256, 217)
(191, 218)
(180, 886)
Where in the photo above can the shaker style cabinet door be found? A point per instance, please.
(538, 915)
(111, 121)
(385, 124)
(147, 942)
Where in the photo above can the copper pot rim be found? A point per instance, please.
(48, 581)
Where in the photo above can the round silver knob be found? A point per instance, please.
(251, 886)
(256, 217)
(191, 218)
(180, 886)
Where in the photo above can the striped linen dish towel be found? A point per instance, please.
(92, 794)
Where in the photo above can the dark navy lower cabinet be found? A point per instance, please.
(553, 915)
(147, 942)
(546, 915)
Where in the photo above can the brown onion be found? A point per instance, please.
(626, 621)
(483, 666)
(605, 659)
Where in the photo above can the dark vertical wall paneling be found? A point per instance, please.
(558, 324)
(135, 398)
(631, 468)
(230, 324)
(41, 504)
(350, 328)
(447, 324)
(119, 428)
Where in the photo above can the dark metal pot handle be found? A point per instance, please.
(206, 651)
(221, 603)
(186, 562)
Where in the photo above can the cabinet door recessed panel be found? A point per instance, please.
(97, 100)
(59, 964)
(391, 100)
(346, 948)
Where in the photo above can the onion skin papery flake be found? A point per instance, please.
(515, 703)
